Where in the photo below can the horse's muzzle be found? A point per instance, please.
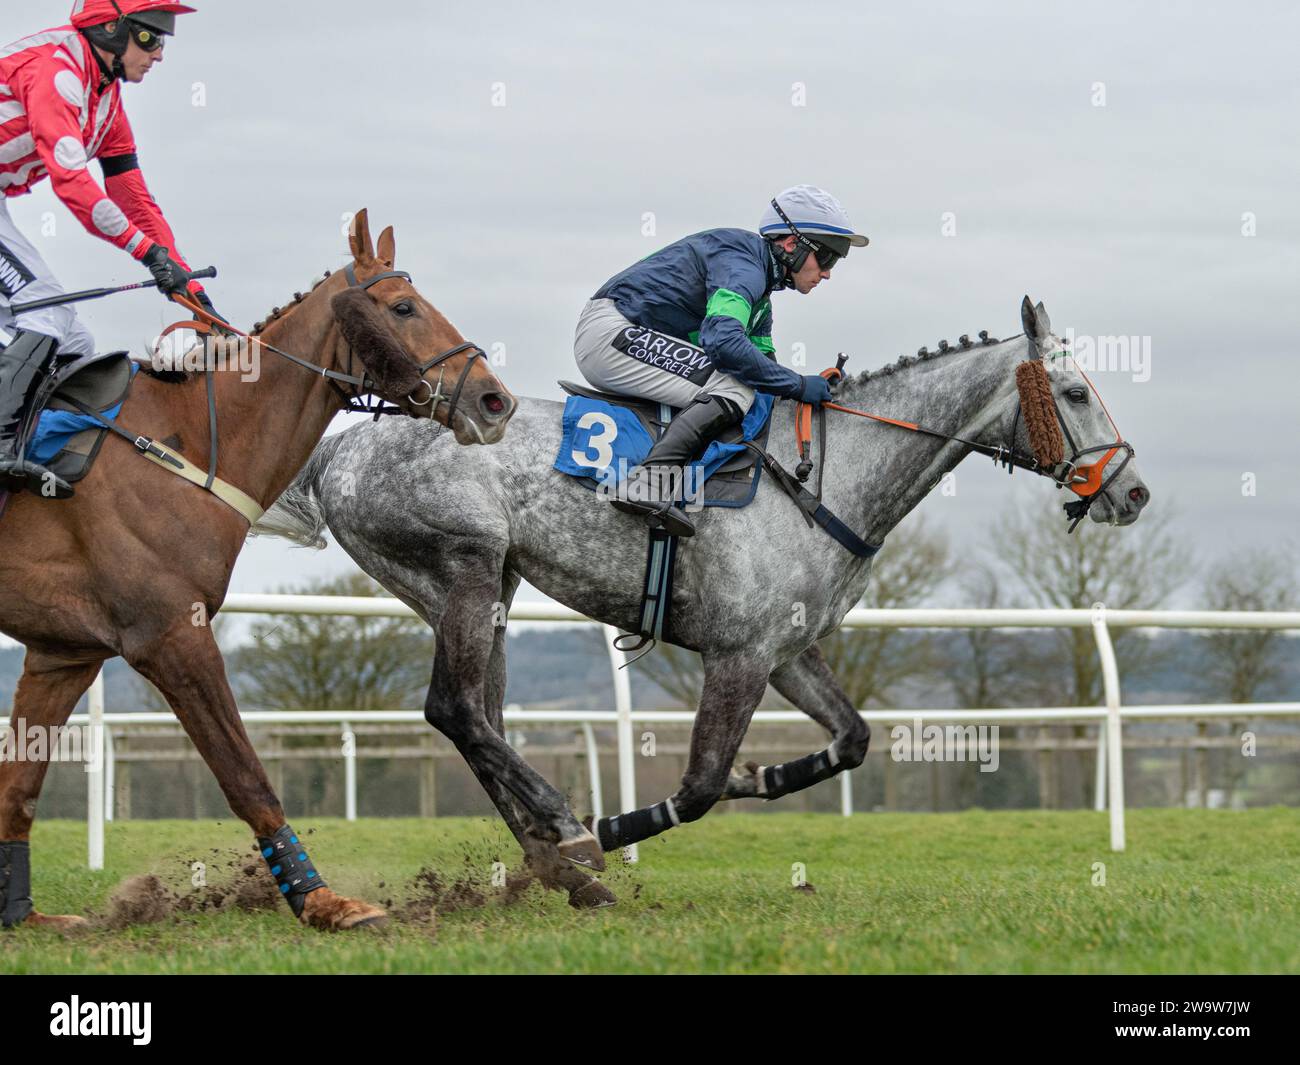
(484, 419)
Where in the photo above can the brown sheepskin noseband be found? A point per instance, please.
(361, 320)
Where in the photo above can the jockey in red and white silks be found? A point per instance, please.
(59, 110)
(61, 107)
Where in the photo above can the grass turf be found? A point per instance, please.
(1197, 891)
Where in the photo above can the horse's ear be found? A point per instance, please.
(1044, 322)
(1028, 318)
(386, 249)
(359, 237)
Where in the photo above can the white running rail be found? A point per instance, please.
(1110, 767)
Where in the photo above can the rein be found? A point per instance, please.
(205, 324)
(1084, 481)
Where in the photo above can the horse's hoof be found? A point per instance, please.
(584, 851)
(592, 896)
(65, 922)
(379, 920)
(334, 913)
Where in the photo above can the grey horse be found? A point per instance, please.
(451, 531)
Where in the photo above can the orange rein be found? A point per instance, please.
(1085, 481)
(203, 323)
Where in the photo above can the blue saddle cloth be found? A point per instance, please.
(602, 442)
(56, 428)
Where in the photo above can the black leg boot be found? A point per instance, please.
(653, 487)
(25, 367)
(15, 883)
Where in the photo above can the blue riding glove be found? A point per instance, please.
(816, 389)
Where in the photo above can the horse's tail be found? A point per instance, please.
(298, 514)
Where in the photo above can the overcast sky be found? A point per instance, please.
(1103, 159)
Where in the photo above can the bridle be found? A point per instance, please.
(1085, 481)
(359, 398)
(356, 400)
(205, 324)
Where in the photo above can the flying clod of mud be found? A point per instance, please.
(431, 894)
(138, 900)
(147, 899)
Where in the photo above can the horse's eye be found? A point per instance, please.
(405, 309)
(1077, 395)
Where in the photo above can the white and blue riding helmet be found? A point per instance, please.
(812, 213)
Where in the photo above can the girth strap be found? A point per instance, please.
(173, 462)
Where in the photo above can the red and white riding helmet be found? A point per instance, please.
(97, 12)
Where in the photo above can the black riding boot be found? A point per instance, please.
(25, 367)
(653, 487)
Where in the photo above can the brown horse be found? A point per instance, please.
(138, 560)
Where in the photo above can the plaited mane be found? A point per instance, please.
(280, 312)
(173, 377)
(905, 362)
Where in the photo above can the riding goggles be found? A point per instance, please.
(148, 40)
(826, 256)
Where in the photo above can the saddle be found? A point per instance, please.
(602, 430)
(66, 440)
(733, 483)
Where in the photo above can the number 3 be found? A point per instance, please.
(600, 441)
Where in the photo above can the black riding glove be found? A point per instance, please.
(205, 301)
(170, 275)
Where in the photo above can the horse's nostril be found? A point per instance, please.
(1138, 495)
(494, 403)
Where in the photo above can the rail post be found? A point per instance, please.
(349, 772)
(95, 778)
(593, 770)
(1114, 737)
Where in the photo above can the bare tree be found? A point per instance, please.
(308, 662)
(979, 675)
(1243, 665)
(985, 670)
(870, 664)
(1238, 665)
(1124, 569)
(1136, 568)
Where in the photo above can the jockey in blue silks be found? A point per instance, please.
(691, 326)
